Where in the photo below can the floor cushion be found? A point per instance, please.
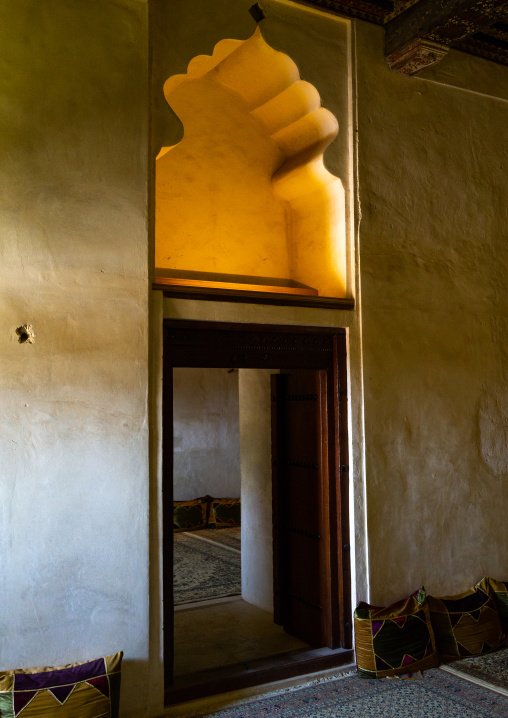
(190, 515)
(224, 512)
(467, 624)
(90, 689)
(499, 591)
(396, 639)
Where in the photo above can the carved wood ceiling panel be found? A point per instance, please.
(420, 32)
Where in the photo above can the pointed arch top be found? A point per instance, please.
(275, 211)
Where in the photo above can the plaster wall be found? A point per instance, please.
(256, 451)
(74, 264)
(206, 433)
(434, 262)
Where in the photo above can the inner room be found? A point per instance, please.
(223, 566)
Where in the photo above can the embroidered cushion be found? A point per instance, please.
(396, 639)
(189, 515)
(224, 512)
(467, 624)
(79, 690)
(499, 591)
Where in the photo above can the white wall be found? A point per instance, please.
(256, 454)
(206, 452)
(74, 264)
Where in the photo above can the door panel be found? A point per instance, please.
(300, 485)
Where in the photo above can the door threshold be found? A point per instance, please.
(207, 602)
(239, 698)
(255, 673)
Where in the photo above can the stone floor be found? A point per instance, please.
(224, 633)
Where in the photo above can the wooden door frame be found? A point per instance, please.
(189, 343)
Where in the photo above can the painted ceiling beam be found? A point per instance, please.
(421, 35)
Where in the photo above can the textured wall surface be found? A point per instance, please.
(206, 429)
(434, 263)
(255, 442)
(73, 263)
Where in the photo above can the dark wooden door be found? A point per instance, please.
(300, 479)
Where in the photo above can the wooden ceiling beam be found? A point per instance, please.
(421, 35)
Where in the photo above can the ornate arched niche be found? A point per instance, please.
(244, 203)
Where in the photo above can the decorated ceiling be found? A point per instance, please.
(419, 33)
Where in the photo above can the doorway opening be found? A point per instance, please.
(268, 407)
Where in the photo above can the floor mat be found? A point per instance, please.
(227, 536)
(204, 570)
(488, 670)
(436, 695)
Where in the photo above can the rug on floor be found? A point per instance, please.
(436, 695)
(230, 536)
(203, 570)
(492, 669)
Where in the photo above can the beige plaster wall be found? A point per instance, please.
(255, 449)
(434, 260)
(74, 263)
(206, 433)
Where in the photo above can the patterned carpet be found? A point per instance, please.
(228, 537)
(203, 569)
(436, 695)
(491, 669)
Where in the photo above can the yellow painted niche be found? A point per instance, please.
(245, 193)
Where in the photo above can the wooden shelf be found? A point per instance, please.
(233, 286)
(237, 288)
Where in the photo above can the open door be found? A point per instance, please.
(300, 480)
(310, 491)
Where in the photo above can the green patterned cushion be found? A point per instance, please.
(224, 512)
(499, 591)
(189, 515)
(79, 690)
(394, 640)
(467, 624)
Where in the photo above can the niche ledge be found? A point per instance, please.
(243, 288)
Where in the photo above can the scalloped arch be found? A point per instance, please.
(246, 191)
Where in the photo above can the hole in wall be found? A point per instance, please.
(26, 334)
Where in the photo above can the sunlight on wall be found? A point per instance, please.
(246, 192)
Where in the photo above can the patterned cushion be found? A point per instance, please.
(396, 639)
(78, 690)
(189, 515)
(499, 591)
(224, 512)
(467, 624)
